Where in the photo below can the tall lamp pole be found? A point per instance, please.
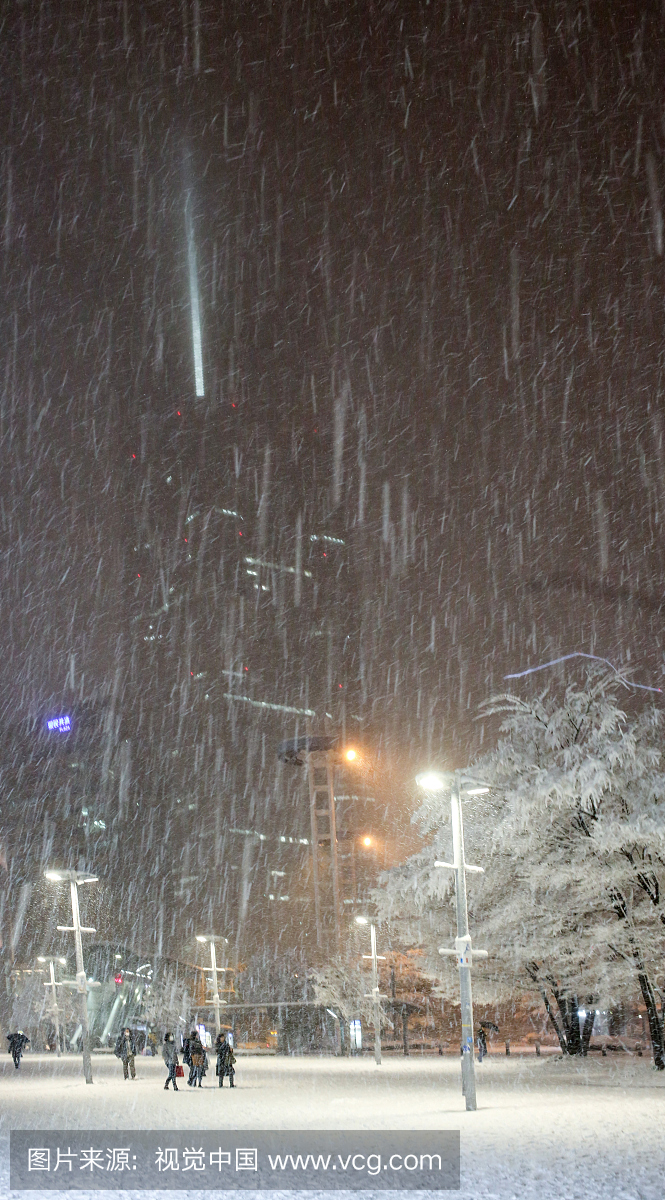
(54, 1010)
(211, 937)
(81, 984)
(375, 995)
(433, 781)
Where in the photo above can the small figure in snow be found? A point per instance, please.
(482, 1044)
(186, 1056)
(125, 1050)
(225, 1059)
(17, 1044)
(197, 1054)
(170, 1056)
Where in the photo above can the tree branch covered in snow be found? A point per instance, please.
(572, 840)
(344, 987)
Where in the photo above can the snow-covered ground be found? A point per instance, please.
(544, 1128)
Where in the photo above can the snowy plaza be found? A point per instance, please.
(544, 1128)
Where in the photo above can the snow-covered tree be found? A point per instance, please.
(167, 1004)
(344, 986)
(282, 976)
(572, 839)
(29, 1001)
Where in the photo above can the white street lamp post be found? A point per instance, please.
(215, 985)
(375, 995)
(81, 985)
(215, 969)
(54, 1010)
(432, 781)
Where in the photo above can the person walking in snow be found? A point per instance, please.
(17, 1044)
(482, 1044)
(187, 1057)
(170, 1056)
(225, 1059)
(197, 1055)
(125, 1050)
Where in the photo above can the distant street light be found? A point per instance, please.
(81, 985)
(436, 781)
(211, 938)
(431, 781)
(375, 995)
(54, 1010)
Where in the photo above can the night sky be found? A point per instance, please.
(429, 249)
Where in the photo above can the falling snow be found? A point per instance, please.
(331, 394)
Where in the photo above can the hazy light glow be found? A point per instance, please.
(431, 781)
(287, 708)
(194, 302)
(54, 876)
(261, 562)
(351, 755)
(477, 791)
(367, 841)
(200, 939)
(362, 921)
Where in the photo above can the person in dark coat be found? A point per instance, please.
(198, 1056)
(482, 1044)
(125, 1050)
(187, 1055)
(17, 1044)
(170, 1056)
(225, 1059)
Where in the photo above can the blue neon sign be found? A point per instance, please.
(61, 724)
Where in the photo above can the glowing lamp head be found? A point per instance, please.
(362, 921)
(367, 841)
(199, 938)
(40, 958)
(431, 781)
(53, 876)
(63, 962)
(350, 755)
